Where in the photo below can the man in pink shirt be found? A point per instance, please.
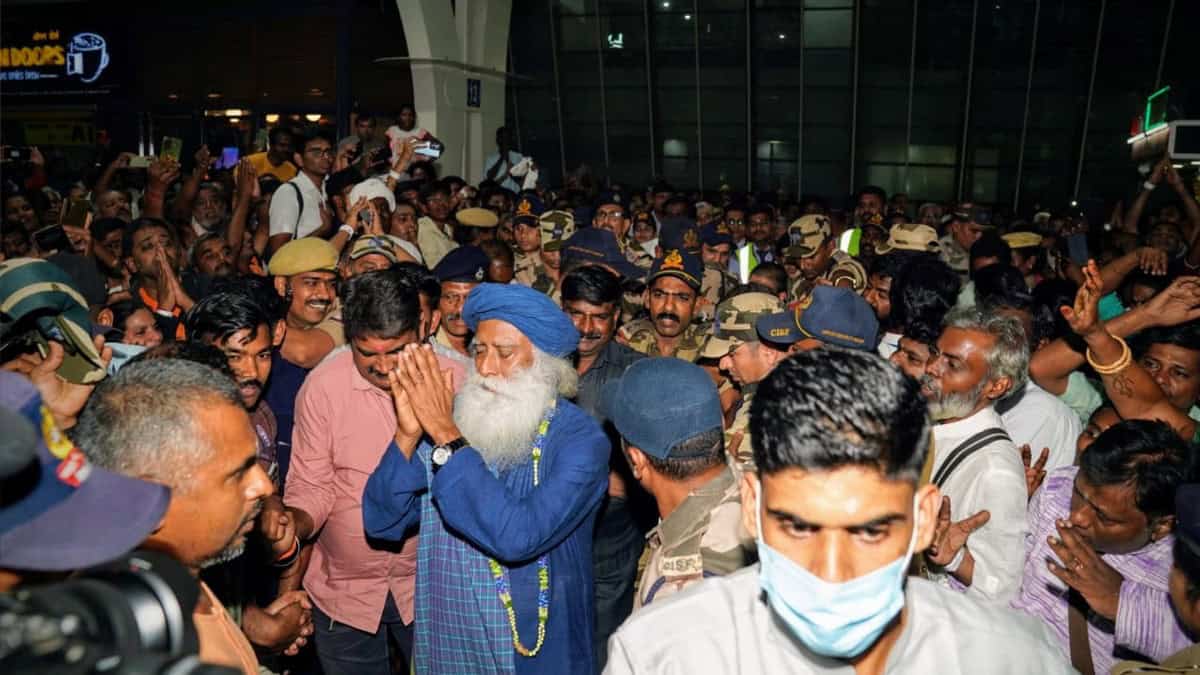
(345, 419)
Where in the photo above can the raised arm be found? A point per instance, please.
(1132, 390)
(1052, 365)
(106, 178)
(1134, 215)
(181, 210)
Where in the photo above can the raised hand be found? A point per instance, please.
(162, 172)
(1084, 570)
(64, 399)
(277, 526)
(1035, 473)
(353, 214)
(950, 537)
(204, 160)
(1175, 304)
(1084, 317)
(1152, 260)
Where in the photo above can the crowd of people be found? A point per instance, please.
(397, 422)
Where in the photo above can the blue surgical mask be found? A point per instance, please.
(840, 620)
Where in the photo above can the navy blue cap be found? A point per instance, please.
(679, 264)
(1187, 515)
(527, 211)
(679, 232)
(659, 402)
(832, 314)
(61, 512)
(607, 198)
(593, 245)
(715, 234)
(465, 263)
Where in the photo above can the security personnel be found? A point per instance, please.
(611, 213)
(831, 316)
(668, 413)
(459, 272)
(716, 248)
(556, 227)
(527, 235)
(734, 342)
(814, 248)
(672, 290)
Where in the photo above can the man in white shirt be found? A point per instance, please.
(497, 165)
(981, 358)
(298, 207)
(839, 441)
(1031, 415)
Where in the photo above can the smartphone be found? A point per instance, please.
(172, 147)
(17, 154)
(76, 214)
(431, 148)
(1077, 248)
(229, 158)
(139, 162)
(52, 238)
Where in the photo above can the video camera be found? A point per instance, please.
(131, 617)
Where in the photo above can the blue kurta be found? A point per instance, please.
(461, 625)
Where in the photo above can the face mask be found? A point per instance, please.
(840, 620)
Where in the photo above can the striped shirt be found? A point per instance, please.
(1145, 624)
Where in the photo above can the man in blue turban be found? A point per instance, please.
(504, 481)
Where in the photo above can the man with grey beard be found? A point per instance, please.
(517, 472)
(981, 358)
(183, 424)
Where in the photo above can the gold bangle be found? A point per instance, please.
(1115, 367)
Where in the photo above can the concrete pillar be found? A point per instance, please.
(445, 50)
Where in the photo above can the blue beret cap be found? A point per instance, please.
(531, 312)
(659, 402)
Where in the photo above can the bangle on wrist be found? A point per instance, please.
(1115, 367)
(394, 175)
(1148, 186)
(347, 229)
(288, 556)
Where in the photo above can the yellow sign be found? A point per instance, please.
(60, 132)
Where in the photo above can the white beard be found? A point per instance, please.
(952, 406)
(499, 416)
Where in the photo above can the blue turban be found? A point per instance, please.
(531, 312)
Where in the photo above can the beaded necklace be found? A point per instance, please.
(543, 562)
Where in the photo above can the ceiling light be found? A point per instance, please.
(313, 117)
(272, 118)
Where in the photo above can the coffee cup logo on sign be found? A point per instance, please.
(87, 56)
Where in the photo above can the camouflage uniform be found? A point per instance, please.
(527, 267)
(640, 337)
(636, 255)
(715, 285)
(733, 327)
(701, 538)
(741, 455)
(954, 255)
(546, 285)
(841, 267)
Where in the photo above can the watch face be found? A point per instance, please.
(441, 455)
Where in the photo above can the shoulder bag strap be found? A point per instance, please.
(1077, 633)
(965, 450)
(299, 211)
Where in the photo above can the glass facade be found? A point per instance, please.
(1012, 102)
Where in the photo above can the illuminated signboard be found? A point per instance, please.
(56, 61)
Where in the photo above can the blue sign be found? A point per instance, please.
(473, 90)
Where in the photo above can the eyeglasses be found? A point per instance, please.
(320, 152)
(736, 221)
(611, 215)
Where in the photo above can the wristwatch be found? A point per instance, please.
(442, 453)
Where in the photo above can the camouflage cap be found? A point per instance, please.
(557, 226)
(910, 237)
(807, 233)
(734, 322)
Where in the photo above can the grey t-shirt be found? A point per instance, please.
(724, 625)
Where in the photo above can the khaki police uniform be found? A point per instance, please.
(737, 437)
(527, 267)
(703, 537)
